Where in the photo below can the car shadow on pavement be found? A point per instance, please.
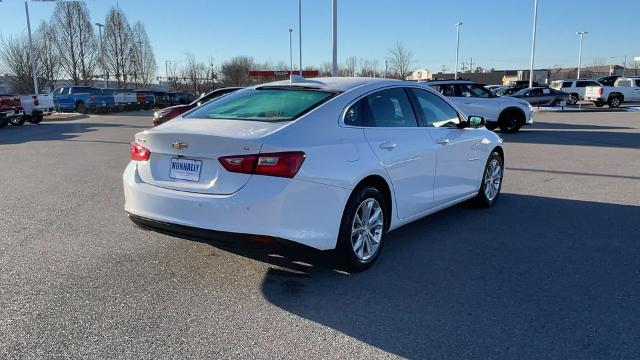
(49, 131)
(577, 138)
(530, 276)
(563, 126)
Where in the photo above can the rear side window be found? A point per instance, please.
(567, 84)
(353, 116)
(638, 82)
(389, 108)
(624, 83)
(267, 104)
(582, 84)
(446, 89)
(473, 90)
(435, 111)
(593, 83)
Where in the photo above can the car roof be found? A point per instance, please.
(334, 83)
(436, 82)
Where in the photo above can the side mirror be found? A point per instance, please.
(475, 122)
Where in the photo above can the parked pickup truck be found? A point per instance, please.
(81, 99)
(35, 107)
(125, 99)
(146, 99)
(10, 110)
(625, 89)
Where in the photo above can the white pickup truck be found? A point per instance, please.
(35, 107)
(625, 89)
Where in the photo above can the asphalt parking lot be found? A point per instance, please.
(550, 272)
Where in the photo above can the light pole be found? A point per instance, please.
(300, 31)
(100, 26)
(290, 52)
(533, 41)
(611, 65)
(31, 56)
(581, 34)
(458, 24)
(334, 33)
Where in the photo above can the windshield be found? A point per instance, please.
(262, 105)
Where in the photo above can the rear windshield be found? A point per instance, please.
(262, 105)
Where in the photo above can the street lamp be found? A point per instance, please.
(100, 26)
(581, 34)
(533, 41)
(31, 56)
(300, 31)
(290, 52)
(334, 33)
(458, 24)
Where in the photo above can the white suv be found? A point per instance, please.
(508, 113)
(575, 88)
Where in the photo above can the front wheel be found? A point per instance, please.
(510, 121)
(491, 181)
(615, 101)
(363, 229)
(573, 99)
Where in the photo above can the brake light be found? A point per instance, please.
(601, 90)
(282, 164)
(139, 152)
(36, 102)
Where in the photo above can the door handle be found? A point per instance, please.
(442, 141)
(388, 146)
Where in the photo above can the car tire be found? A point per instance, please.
(17, 121)
(614, 101)
(35, 119)
(599, 104)
(81, 108)
(357, 249)
(491, 182)
(573, 99)
(491, 125)
(510, 121)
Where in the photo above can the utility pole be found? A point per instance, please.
(166, 70)
(99, 25)
(300, 31)
(386, 68)
(334, 34)
(533, 41)
(581, 34)
(471, 65)
(290, 51)
(444, 68)
(624, 65)
(458, 24)
(31, 56)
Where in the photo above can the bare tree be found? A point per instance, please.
(14, 54)
(235, 72)
(326, 69)
(369, 68)
(195, 73)
(75, 39)
(350, 65)
(599, 61)
(118, 45)
(143, 60)
(47, 55)
(400, 59)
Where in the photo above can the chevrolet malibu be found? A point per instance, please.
(331, 163)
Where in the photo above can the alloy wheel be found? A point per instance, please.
(492, 179)
(366, 229)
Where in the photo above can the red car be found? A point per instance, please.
(10, 110)
(171, 112)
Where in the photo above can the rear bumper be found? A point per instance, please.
(300, 211)
(595, 98)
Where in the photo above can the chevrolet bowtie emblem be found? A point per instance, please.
(178, 145)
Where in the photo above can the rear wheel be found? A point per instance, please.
(35, 119)
(491, 181)
(363, 229)
(81, 107)
(614, 101)
(510, 121)
(599, 104)
(17, 121)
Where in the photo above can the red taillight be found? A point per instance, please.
(283, 164)
(601, 91)
(139, 152)
(36, 102)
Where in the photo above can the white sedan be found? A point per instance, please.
(332, 163)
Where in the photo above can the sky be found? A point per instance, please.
(495, 33)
